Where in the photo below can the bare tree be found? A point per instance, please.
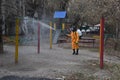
(1, 23)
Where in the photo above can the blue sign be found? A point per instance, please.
(59, 14)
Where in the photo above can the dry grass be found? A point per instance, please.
(114, 70)
(92, 66)
(79, 76)
(110, 48)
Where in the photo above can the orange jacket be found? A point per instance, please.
(74, 40)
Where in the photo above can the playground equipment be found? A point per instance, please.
(38, 37)
(32, 35)
(16, 40)
(101, 42)
(56, 36)
(57, 15)
(50, 35)
(55, 26)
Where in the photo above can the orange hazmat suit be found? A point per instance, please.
(74, 40)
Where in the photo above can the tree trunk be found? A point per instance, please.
(117, 37)
(119, 32)
(1, 22)
(1, 41)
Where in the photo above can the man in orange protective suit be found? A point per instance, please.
(74, 40)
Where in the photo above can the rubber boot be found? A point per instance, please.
(77, 51)
(73, 51)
